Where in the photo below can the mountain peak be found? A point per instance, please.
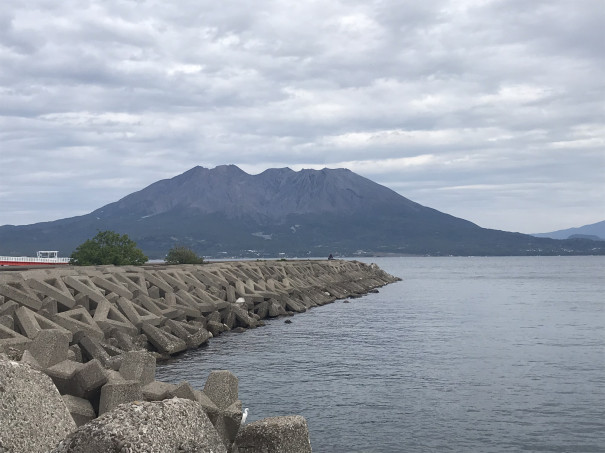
(273, 194)
(219, 169)
(229, 169)
(277, 171)
(195, 171)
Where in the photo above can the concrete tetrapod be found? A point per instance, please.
(151, 427)
(274, 435)
(222, 389)
(33, 416)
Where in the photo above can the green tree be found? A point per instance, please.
(108, 247)
(182, 255)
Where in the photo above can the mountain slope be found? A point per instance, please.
(596, 230)
(271, 195)
(227, 212)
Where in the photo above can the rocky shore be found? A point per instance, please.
(79, 345)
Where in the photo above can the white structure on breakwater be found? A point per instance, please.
(43, 257)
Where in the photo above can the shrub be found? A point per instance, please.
(182, 255)
(108, 247)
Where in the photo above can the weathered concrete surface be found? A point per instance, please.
(33, 416)
(183, 390)
(156, 427)
(138, 366)
(80, 409)
(63, 374)
(49, 347)
(31, 323)
(221, 389)
(11, 339)
(88, 380)
(274, 435)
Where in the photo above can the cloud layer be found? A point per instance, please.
(489, 110)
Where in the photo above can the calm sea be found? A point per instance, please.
(463, 355)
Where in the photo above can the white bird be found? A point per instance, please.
(244, 416)
(240, 300)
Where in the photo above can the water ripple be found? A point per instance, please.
(465, 354)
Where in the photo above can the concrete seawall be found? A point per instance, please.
(97, 332)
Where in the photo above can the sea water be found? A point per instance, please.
(463, 355)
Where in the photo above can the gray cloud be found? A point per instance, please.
(488, 110)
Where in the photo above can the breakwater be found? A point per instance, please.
(96, 332)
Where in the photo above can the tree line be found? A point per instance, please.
(109, 247)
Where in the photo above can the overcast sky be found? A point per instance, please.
(493, 111)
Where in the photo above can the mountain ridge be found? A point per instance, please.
(268, 194)
(594, 229)
(280, 212)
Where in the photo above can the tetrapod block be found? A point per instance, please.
(192, 335)
(154, 279)
(49, 347)
(108, 317)
(115, 393)
(172, 279)
(11, 339)
(137, 315)
(275, 435)
(110, 286)
(55, 288)
(31, 323)
(163, 341)
(19, 292)
(222, 388)
(138, 366)
(79, 320)
(133, 281)
(84, 285)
